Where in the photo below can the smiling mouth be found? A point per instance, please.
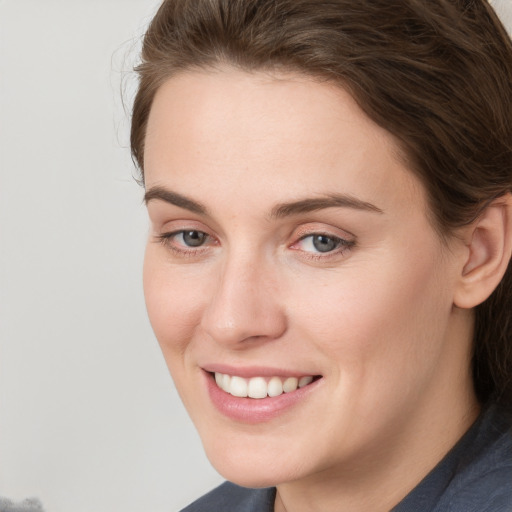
(261, 387)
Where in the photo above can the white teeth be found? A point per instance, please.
(259, 387)
(304, 381)
(275, 387)
(238, 386)
(225, 382)
(290, 384)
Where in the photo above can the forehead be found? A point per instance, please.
(268, 133)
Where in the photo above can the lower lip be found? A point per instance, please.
(255, 410)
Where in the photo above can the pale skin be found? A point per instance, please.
(382, 311)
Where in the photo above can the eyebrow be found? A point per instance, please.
(319, 203)
(279, 211)
(174, 198)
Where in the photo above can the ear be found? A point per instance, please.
(489, 248)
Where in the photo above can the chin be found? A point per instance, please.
(263, 465)
(251, 480)
(246, 475)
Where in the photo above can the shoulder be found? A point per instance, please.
(234, 498)
(483, 480)
(486, 484)
(475, 476)
(489, 492)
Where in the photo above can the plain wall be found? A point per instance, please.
(89, 417)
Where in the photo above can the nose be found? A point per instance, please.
(244, 305)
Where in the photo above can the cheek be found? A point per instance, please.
(174, 304)
(379, 322)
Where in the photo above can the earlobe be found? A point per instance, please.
(489, 244)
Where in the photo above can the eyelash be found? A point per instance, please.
(341, 245)
(166, 240)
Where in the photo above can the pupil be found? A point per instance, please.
(194, 238)
(323, 243)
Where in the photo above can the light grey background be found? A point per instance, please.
(504, 9)
(89, 418)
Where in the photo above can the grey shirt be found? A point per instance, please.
(475, 476)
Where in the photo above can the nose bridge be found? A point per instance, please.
(244, 304)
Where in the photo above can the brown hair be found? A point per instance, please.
(437, 74)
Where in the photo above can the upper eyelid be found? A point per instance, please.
(170, 227)
(331, 231)
(312, 226)
(299, 233)
(346, 243)
(173, 233)
(323, 233)
(167, 224)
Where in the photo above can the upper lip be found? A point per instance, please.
(254, 371)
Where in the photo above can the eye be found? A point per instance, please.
(192, 238)
(318, 243)
(322, 243)
(185, 240)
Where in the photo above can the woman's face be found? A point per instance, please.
(289, 243)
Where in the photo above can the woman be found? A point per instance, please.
(327, 272)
